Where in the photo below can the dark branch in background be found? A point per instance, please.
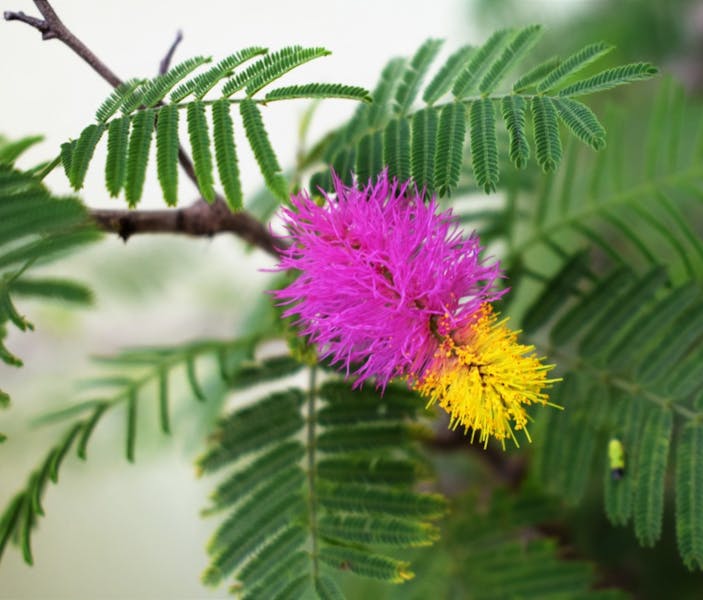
(166, 62)
(241, 223)
(199, 219)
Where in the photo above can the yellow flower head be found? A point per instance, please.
(484, 379)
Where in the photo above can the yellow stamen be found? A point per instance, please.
(484, 378)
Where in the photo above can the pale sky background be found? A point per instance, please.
(115, 530)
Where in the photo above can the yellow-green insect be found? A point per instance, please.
(616, 456)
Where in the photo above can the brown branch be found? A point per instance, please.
(166, 62)
(198, 219)
(204, 219)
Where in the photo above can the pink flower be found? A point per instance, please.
(380, 272)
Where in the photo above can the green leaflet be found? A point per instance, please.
(378, 111)
(649, 490)
(83, 153)
(581, 121)
(167, 152)
(157, 89)
(610, 78)
(409, 86)
(369, 156)
(536, 74)
(201, 84)
(424, 139)
(116, 161)
(689, 495)
(450, 147)
(226, 153)
(546, 131)
(573, 64)
(444, 78)
(200, 147)
(319, 90)
(513, 110)
(364, 564)
(396, 144)
(484, 147)
(114, 101)
(479, 63)
(511, 55)
(138, 155)
(263, 152)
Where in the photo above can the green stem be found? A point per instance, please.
(49, 168)
(312, 498)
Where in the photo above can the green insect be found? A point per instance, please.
(616, 456)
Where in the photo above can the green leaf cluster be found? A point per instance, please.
(35, 229)
(318, 481)
(429, 144)
(140, 110)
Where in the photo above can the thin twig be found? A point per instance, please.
(242, 224)
(165, 64)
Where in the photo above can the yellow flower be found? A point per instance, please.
(484, 379)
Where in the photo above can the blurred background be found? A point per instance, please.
(116, 530)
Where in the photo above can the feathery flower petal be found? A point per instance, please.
(379, 266)
(484, 379)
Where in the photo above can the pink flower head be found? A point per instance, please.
(382, 274)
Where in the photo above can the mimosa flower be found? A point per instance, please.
(378, 266)
(484, 378)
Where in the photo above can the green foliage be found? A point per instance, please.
(623, 384)
(144, 104)
(343, 493)
(494, 549)
(436, 133)
(35, 228)
(133, 373)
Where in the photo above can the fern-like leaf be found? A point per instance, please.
(610, 78)
(581, 122)
(200, 145)
(138, 155)
(573, 64)
(226, 153)
(546, 128)
(167, 152)
(263, 152)
(522, 41)
(484, 144)
(319, 90)
(513, 109)
(450, 147)
(116, 161)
